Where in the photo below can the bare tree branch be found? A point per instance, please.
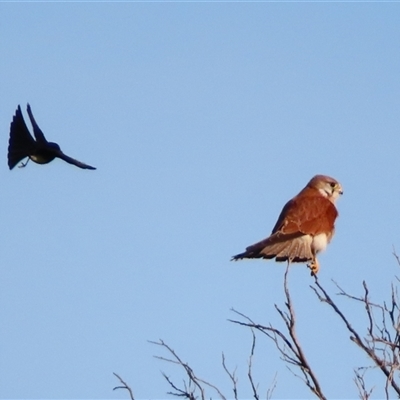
(124, 386)
(364, 394)
(186, 393)
(272, 387)
(192, 378)
(396, 256)
(287, 343)
(249, 372)
(381, 343)
(386, 358)
(232, 377)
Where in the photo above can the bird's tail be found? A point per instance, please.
(281, 247)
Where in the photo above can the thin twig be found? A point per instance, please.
(396, 256)
(249, 371)
(288, 344)
(187, 393)
(197, 382)
(272, 387)
(124, 386)
(232, 377)
(382, 363)
(364, 394)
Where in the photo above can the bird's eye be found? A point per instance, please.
(332, 184)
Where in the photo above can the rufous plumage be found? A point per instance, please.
(305, 225)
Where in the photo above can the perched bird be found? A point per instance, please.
(22, 144)
(305, 225)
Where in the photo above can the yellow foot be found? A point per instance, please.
(314, 266)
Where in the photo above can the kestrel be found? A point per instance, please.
(22, 144)
(305, 225)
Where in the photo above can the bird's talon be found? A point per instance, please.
(314, 267)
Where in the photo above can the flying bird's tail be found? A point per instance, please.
(21, 143)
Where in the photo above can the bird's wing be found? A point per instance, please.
(307, 215)
(70, 160)
(21, 143)
(36, 130)
(301, 218)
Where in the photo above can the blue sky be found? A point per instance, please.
(203, 119)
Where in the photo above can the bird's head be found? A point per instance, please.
(327, 186)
